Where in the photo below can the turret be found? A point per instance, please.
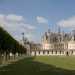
(73, 35)
(59, 35)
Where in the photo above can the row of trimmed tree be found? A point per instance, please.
(9, 45)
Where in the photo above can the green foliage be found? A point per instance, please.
(8, 43)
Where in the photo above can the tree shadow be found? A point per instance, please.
(30, 67)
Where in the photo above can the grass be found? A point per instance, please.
(42, 65)
(65, 62)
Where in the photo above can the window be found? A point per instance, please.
(47, 52)
(35, 52)
(39, 52)
(60, 52)
(56, 52)
(71, 52)
(43, 52)
(52, 51)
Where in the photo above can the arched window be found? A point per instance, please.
(43, 52)
(52, 51)
(60, 52)
(56, 52)
(71, 52)
(39, 52)
(35, 53)
(47, 52)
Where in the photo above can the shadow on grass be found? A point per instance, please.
(28, 66)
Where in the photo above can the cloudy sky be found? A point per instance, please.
(34, 17)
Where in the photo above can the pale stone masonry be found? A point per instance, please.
(56, 43)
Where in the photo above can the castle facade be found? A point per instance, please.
(56, 43)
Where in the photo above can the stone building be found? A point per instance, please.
(56, 43)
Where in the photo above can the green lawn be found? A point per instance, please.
(44, 65)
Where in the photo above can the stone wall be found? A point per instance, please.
(47, 53)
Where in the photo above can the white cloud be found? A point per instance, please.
(27, 26)
(2, 16)
(13, 17)
(67, 23)
(15, 25)
(41, 19)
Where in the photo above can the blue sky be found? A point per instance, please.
(37, 16)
